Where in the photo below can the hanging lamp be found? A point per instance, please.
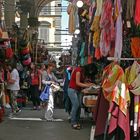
(80, 3)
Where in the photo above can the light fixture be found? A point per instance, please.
(77, 31)
(79, 3)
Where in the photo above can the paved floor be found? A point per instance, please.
(42, 130)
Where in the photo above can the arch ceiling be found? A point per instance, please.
(39, 4)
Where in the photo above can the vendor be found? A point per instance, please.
(75, 86)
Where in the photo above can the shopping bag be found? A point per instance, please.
(45, 94)
(55, 88)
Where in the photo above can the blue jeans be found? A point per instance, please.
(75, 98)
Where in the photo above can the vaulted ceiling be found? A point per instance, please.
(39, 4)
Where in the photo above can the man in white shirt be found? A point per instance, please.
(14, 87)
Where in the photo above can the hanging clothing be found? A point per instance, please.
(130, 9)
(133, 82)
(82, 53)
(119, 29)
(114, 88)
(135, 47)
(137, 12)
(99, 7)
(96, 29)
(71, 10)
(92, 11)
(102, 105)
(107, 28)
(95, 25)
(116, 92)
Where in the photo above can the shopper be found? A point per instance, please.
(13, 87)
(75, 85)
(35, 86)
(67, 102)
(49, 78)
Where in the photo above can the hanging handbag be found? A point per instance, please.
(45, 94)
(27, 62)
(25, 51)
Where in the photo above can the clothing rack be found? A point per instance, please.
(122, 59)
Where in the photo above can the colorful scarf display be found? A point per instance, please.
(133, 82)
(114, 88)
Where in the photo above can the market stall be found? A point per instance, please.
(110, 37)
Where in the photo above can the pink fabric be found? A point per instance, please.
(137, 12)
(107, 26)
(119, 119)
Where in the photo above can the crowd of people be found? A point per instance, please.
(42, 80)
(37, 78)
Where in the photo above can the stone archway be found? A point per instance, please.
(39, 4)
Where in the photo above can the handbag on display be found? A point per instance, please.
(27, 62)
(45, 94)
(25, 51)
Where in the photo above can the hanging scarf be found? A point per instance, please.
(107, 26)
(130, 9)
(114, 88)
(119, 29)
(137, 12)
(96, 29)
(71, 10)
(133, 82)
(135, 46)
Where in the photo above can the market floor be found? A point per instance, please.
(28, 126)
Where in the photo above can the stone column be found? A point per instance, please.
(9, 12)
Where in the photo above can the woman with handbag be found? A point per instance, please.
(49, 79)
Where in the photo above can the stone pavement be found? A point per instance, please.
(32, 127)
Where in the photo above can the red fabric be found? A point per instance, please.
(9, 53)
(72, 83)
(119, 119)
(101, 114)
(137, 12)
(35, 78)
(97, 53)
(27, 62)
(25, 51)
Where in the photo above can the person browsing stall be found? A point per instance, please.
(75, 86)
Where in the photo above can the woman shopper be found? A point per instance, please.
(13, 87)
(35, 86)
(48, 78)
(75, 85)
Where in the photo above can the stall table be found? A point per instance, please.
(90, 98)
